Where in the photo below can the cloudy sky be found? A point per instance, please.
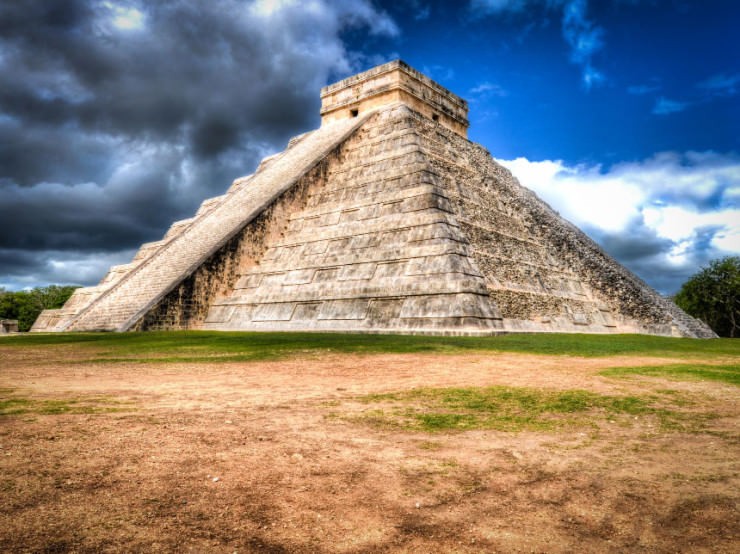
(118, 117)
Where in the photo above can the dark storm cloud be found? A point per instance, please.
(31, 154)
(188, 66)
(87, 216)
(18, 262)
(638, 244)
(30, 269)
(137, 202)
(118, 117)
(207, 66)
(647, 254)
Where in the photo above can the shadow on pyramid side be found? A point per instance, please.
(385, 219)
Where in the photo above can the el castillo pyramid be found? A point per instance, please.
(385, 219)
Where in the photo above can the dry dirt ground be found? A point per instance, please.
(270, 457)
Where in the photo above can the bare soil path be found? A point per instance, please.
(271, 457)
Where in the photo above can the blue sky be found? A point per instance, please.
(118, 117)
(581, 81)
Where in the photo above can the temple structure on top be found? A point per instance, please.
(385, 219)
(390, 83)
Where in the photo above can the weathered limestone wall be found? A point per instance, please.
(543, 273)
(375, 248)
(187, 306)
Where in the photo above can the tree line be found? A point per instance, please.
(26, 305)
(713, 295)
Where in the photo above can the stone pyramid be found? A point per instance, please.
(385, 219)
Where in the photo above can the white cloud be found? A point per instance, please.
(266, 8)
(497, 6)
(680, 224)
(591, 77)
(665, 106)
(639, 90)
(360, 13)
(581, 193)
(126, 18)
(583, 36)
(705, 183)
(684, 205)
(488, 89)
(722, 84)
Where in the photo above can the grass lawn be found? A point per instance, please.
(217, 346)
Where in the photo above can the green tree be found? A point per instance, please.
(26, 305)
(713, 295)
(9, 306)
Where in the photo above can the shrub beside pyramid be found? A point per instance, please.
(385, 219)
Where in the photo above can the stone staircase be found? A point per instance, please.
(121, 305)
(60, 319)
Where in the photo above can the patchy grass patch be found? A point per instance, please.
(703, 372)
(17, 405)
(517, 409)
(219, 347)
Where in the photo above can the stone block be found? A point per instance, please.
(344, 309)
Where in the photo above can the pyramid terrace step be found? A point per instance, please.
(338, 290)
(115, 273)
(367, 255)
(430, 266)
(385, 224)
(408, 155)
(177, 227)
(374, 199)
(208, 204)
(298, 138)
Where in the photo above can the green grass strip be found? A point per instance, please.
(216, 347)
(703, 372)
